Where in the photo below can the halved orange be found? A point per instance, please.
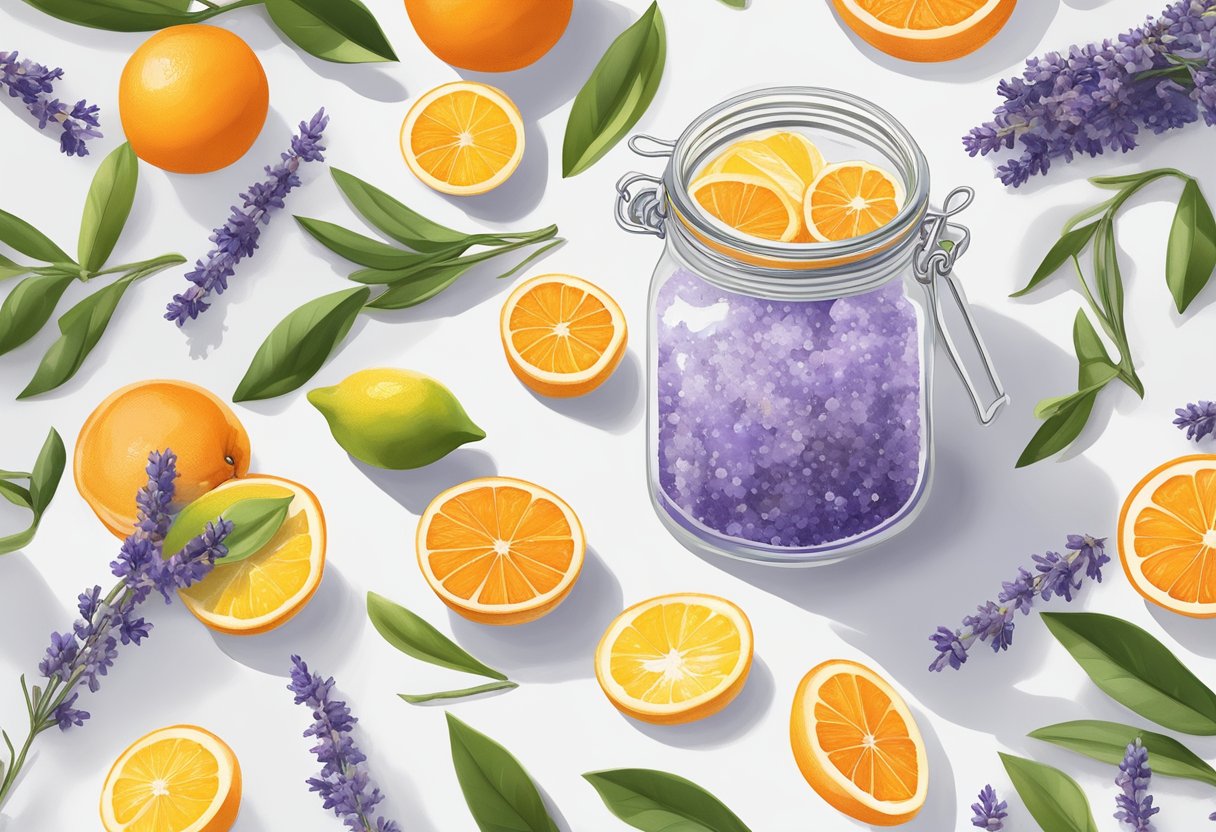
(267, 589)
(564, 336)
(463, 138)
(499, 550)
(850, 199)
(858, 745)
(177, 779)
(754, 205)
(675, 658)
(1167, 536)
(926, 30)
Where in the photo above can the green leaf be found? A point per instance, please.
(1108, 742)
(255, 522)
(81, 327)
(396, 220)
(617, 94)
(489, 687)
(107, 207)
(48, 469)
(1109, 277)
(1136, 670)
(1094, 372)
(1058, 432)
(500, 794)
(29, 306)
(442, 261)
(44, 480)
(655, 801)
(297, 347)
(1053, 798)
(358, 248)
(1068, 246)
(343, 31)
(1191, 253)
(118, 15)
(414, 636)
(1121, 182)
(10, 269)
(1088, 346)
(23, 237)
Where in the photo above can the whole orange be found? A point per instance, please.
(489, 35)
(193, 99)
(112, 450)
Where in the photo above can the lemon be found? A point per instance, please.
(395, 418)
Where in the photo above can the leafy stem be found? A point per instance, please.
(1191, 260)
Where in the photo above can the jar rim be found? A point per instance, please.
(820, 109)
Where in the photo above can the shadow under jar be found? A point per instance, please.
(789, 384)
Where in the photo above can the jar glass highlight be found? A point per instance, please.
(789, 385)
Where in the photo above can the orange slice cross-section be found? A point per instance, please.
(499, 550)
(850, 199)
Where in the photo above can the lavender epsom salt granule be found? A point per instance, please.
(793, 424)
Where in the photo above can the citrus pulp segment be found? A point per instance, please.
(675, 658)
(851, 199)
(500, 550)
(753, 205)
(563, 336)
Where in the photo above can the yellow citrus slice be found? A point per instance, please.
(756, 158)
(499, 550)
(926, 30)
(1167, 536)
(675, 658)
(178, 779)
(563, 335)
(463, 138)
(858, 745)
(850, 199)
(797, 151)
(753, 205)
(267, 589)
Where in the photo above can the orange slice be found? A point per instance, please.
(797, 151)
(499, 550)
(926, 30)
(675, 658)
(463, 138)
(857, 744)
(267, 589)
(563, 335)
(753, 205)
(178, 779)
(756, 158)
(850, 199)
(1167, 536)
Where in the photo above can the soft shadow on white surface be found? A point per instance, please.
(616, 406)
(982, 521)
(29, 611)
(415, 489)
(1011, 46)
(321, 633)
(374, 81)
(726, 726)
(1195, 634)
(559, 646)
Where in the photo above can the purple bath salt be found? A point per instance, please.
(792, 424)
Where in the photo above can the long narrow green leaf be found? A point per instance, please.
(462, 693)
(1108, 742)
(656, 801)
(107, 207)
(23, 237)
(358, 248)
(343, 31)
(1058, 432)
(1191, 253)
(1068, 246)
(1053, 798)
(393, 218)
(119, 15)
(415, 636)
(29, 306)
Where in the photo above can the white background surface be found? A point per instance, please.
(984, 518)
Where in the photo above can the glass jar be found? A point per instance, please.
(789, 384)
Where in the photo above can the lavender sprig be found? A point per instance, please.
(989, 812)
(1135, 804)
(343, 782)
(238, 237)
(33, 83)
(81, 656)
(993, 622)
(1158, 76)
(1198, 420)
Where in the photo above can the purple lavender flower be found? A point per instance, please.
(1198, 420)
(33, 84)
(86, 654)
(1135, 804)
(993, 622)
(1158, 76)
(343, 782)
(989, 813)
(237, 238)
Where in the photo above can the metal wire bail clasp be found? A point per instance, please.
(941, 244)
(644, 212)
